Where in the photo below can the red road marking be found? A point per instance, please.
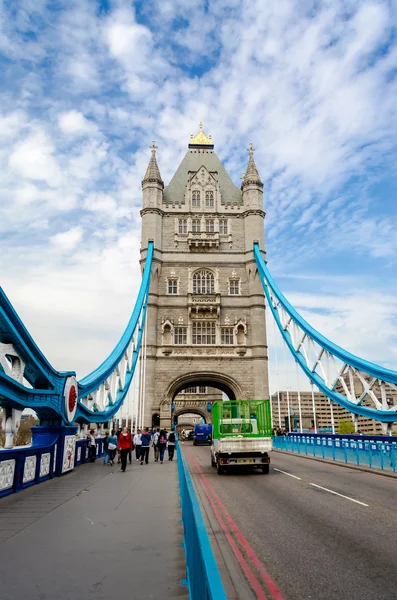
(273, 589)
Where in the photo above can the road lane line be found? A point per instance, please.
(270, 583)
(337, 494)
(285, 473)
(255, 585)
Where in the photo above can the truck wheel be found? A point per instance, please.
(265, 469)
(213, 463)
(220, 469)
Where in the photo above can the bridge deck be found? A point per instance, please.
(95, 533)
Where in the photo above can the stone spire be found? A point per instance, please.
(251, 174)
(153, 172)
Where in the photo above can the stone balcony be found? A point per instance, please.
(204, 306)
(203, 240)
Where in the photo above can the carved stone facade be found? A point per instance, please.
(206, 313)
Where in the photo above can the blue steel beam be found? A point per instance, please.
(46, 396)
(376, 371)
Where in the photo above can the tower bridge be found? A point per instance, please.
(199, 322)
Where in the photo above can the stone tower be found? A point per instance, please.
(206, 315)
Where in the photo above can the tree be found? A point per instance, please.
(346, 427)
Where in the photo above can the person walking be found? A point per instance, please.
(106, 455)
(171, 445)
(131, 448)
(112, 446)
(91, 444)
(124, 447)
(156, 436)
(145, 445)
(162, 444)
(138, 444)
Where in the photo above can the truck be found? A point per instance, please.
(202, 434)
(242, 435)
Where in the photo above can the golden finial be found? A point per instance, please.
(201, 139)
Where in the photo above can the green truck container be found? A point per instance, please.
(242, 434)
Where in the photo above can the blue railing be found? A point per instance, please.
(203, 578)
(22, 467)
(373, 454)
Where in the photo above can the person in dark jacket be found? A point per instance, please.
(162, 444)
(124, 447)
(146, 438)
(171, 445)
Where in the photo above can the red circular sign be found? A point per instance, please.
(72, 398)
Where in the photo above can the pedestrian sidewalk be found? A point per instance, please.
(95, 533)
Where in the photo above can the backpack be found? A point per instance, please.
(163, 440)
(171, 438)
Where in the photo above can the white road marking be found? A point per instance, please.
(289, 474)
(337, 494)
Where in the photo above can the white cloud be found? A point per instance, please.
(74, 122)
(33, 158)
(68, 240)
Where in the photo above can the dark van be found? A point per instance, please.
(202, 434)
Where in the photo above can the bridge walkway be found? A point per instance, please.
(96, 533)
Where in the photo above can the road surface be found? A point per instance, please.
(308, 530)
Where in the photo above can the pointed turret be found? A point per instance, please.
(251, 176)
(252, 188)
(152, 193)
(153, 172)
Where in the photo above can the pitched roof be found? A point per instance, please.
(174, 192)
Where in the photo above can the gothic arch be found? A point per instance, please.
(194, 411)
(218, 380)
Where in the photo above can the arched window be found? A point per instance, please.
(196, 198)
(209, 199)
(203, 282)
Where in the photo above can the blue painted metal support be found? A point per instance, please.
(55, 396)
(287, 318)
(202, 574)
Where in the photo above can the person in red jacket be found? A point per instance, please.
(124, 446)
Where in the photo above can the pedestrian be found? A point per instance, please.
(91, 445)
(106, 455)
(145, 445)
(138, 444)
(162, 444)
(118, 433)
(171, 445)
(131, 448)
(156, 436)
(124, 447)
(112, 446)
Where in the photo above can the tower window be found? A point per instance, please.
(234, 287)
(203, 332)
(196, 225)
(172, 286)
(196, 198)
(203, 282)
(227, 336)
(180, 335)
(182, 226)
(209, 199)
(223, 226)
(210, 225)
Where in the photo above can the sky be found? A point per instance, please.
(87, 85)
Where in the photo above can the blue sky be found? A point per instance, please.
(87, 85)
